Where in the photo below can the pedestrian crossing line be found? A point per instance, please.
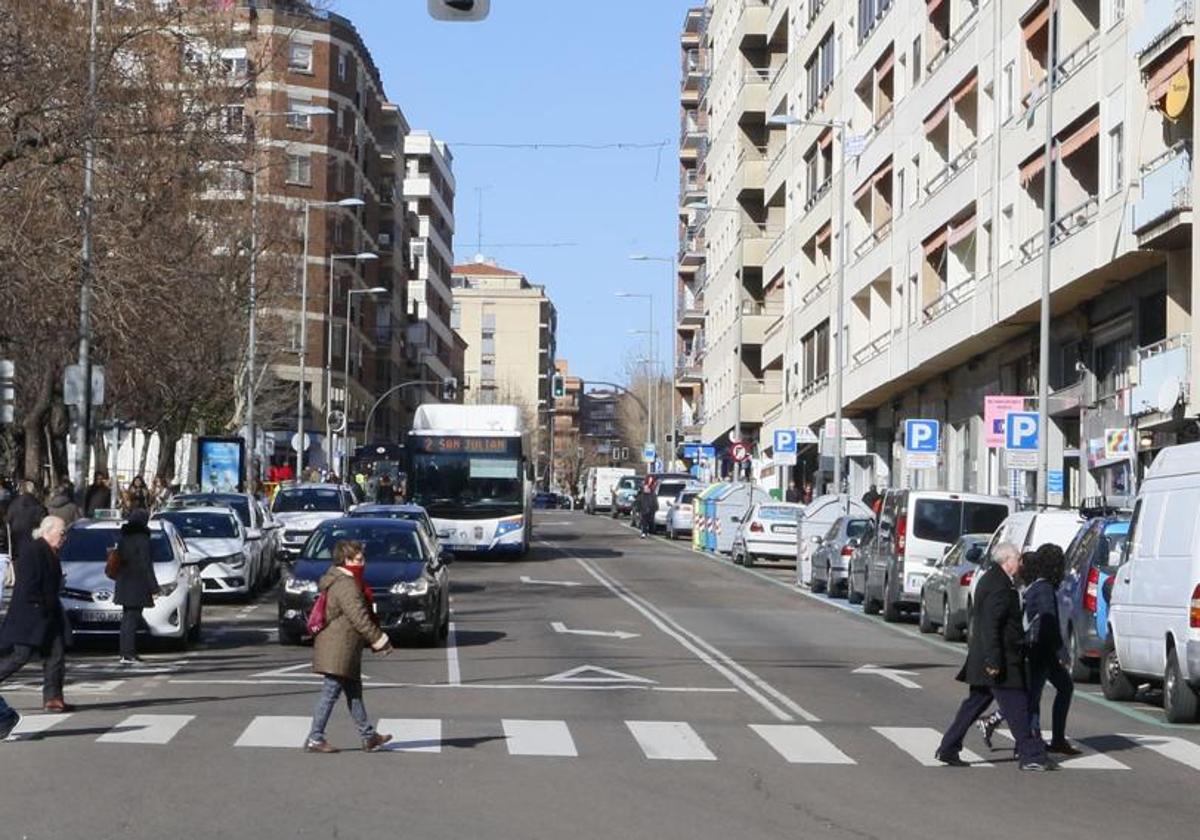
(1176, 749)
(275, 731)
(33, 725)
(1090, 760)
(800, 744)
(539, 737)
(921, 742)
(412, 734)
(146, 729)
(669, 740)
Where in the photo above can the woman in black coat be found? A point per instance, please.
(647, 505)
(136, 584)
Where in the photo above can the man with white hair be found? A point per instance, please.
(995, 666)
(35, 623)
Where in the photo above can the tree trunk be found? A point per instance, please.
(32, 425)
(141, 470)
(165, 471)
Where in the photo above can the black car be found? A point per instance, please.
(408, 578)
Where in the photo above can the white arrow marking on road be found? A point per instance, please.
(892, 674)
(559, 627)
(603, 675)
(528, 579)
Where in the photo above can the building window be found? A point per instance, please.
(916, 68)
(1116, 159)
(1006, 234)
(1112, 367)
(456, 316)
(233, 119)
(296, 118)
(1008, 91)
(341, 65)
(300, 57)
(900, 191)
(299, 170)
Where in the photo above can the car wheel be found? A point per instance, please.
(1179, 699)
(950, 631)
(194, 631)
(870, 605)
(835, 591)
(891, 612)
(289, 637)
(1081, 671)
(1115, 684)
(924, 622)
(747, 559)
(853, 596)
(818, 585)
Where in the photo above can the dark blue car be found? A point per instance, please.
(408, 578)
(1091, 559)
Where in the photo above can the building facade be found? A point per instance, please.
(570, 455)
(877, 173)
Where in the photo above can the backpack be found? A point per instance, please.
(316, 618)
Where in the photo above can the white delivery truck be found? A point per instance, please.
(599, 483)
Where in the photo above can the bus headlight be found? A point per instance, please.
(507, 526)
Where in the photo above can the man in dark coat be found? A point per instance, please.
(995, 666)
(34, 623)
(136, 584)
(24, 515)
(385, 491)
(647, 506)
(98, 495)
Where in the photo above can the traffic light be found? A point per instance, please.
(7, 391)
(558, 386)
(449, 389)
(459, 10)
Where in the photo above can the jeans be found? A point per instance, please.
(1013, 703)
(331, 689)
(3, 569)
(130, 617)
(1053, 672)
(54, 664)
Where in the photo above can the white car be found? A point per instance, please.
(261, 528)
(767, 530)
(229, 560)
(679, 512)
(300, 508)
(87, 597)
(666, 491)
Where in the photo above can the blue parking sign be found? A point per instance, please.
(1021, 431)
(785, 441)
(921, 435)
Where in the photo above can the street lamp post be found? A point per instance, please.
(670, 262)
(328, 390)
(350, 293)
(649, 383)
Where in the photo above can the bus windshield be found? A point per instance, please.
(467, 485)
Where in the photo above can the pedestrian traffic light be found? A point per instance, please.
(459, 10)
(558, 386)
(449, 389)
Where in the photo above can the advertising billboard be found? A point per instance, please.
(220, 464)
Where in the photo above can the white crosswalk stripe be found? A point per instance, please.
(921, 742)
(1176, 749)
(669, 740)
(33, 725)
(146, 729)
(801, 744)
(412, 734)
(539, 737)
(275, 731)
(1090, 760)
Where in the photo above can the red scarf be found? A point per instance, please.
(357, 572)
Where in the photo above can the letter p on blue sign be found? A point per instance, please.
(1021, 430)
(921, 435)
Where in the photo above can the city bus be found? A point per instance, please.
(470, 467)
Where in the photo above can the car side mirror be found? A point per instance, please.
(816, 540)
(446, 558)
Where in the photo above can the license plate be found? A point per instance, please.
(98, 616)
(914, 583)
(783, 529)
(461, 547)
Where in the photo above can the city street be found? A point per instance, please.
(605, 686)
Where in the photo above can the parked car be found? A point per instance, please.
(598, 483)
(815, 521)
(944, 595)
(261, 527)
(768, 530)
(679, 512)
(627, 489)
(831, 556)
(228, 559)
(300, 508)
(916, 527)
(1092, 558)
(856, 570)
(408, 578)
(666, 492)
(1154, 618)
(87, 597)
(545, 501)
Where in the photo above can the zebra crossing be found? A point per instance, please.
(650, 740)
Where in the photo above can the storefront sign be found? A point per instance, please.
(1118, 443)
(994, 410)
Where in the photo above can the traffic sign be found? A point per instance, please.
(648, 453)
(296, 442)
(921, 435)
(740, 452)
(1021, 431)
(784, 447)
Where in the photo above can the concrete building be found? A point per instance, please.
(509, 327)
(569, 452)
(945, 106)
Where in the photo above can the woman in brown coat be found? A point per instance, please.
(337, 649)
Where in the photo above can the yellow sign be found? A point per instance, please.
(1178, 91)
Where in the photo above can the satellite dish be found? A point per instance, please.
(1168, 395)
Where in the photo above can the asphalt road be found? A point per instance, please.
(604, 687)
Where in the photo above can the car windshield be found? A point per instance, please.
(204, 526)
(627, 483)
(239, 504)
(686, 498)
(945, 520)
(309, 499)
(481, 486)
(857, 527)
(91, 545)
(382, 542)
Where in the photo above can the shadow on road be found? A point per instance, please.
(477, 638)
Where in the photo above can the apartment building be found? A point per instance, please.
(435, 351)
(877, 173)
(569, 452)
(508, 326)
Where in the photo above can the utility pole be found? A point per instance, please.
(1043, 462)
(83, 438)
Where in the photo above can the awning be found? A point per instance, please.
(962, 230)
(931, 6)
(824, 233)
(965, 88)
(1089, 131)
(936, 240)
(1036, 21)
(884, 65)
(937, 117)
(1032, 167)
(826, 138)
(884, 170)
(1160, 79)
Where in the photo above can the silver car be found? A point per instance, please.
(944, 596)
(679, 513)
(831, 557)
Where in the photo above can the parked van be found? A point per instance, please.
(815, 520)
(916, 527)
(1154, 620)
(598, 485)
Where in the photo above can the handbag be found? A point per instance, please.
(112, 564)
(316, 617)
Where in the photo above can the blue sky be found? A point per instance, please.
(553, 71)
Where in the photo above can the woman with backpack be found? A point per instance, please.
(349, 626)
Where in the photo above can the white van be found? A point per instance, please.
(1154, 618)
(598, 486)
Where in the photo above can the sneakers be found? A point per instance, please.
(950, 760)
(1064, 748)
(129, 661)
(8, 722)
(987, 728)
(375, 742)
(1039, 766)
(319, 747)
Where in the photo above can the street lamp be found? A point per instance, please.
(783, 120)
(673, 278)
(308, 206)
(649, 384)
(350, 293)
(333, 259)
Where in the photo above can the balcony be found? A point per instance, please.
(1065, 226)
(758, 318)
(946, 174)
(1163, 375)
(752, 23)
(689, 370)
(951, 299)
(820, 287)
(689, 311)
(752, 95)
(757, 397)
(1070, 65)
(755, 240)
(751, 169)
(1166, 22)
(1162, 216)
(691, 249)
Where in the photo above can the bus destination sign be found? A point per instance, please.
(448, 444)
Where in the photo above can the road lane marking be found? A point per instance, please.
(1176, 749)
(275, 731)
(746, 680)
(453, 673)
(921, 742)
(291, 671)
(601, 675)
(800, 744)
(1090, 760)
(559, 627)
(146, 729)
(423, 735)
(539, 737)
(32, 726)
(679, 689)
(664, 740)
(535, 582)
(896, 676)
